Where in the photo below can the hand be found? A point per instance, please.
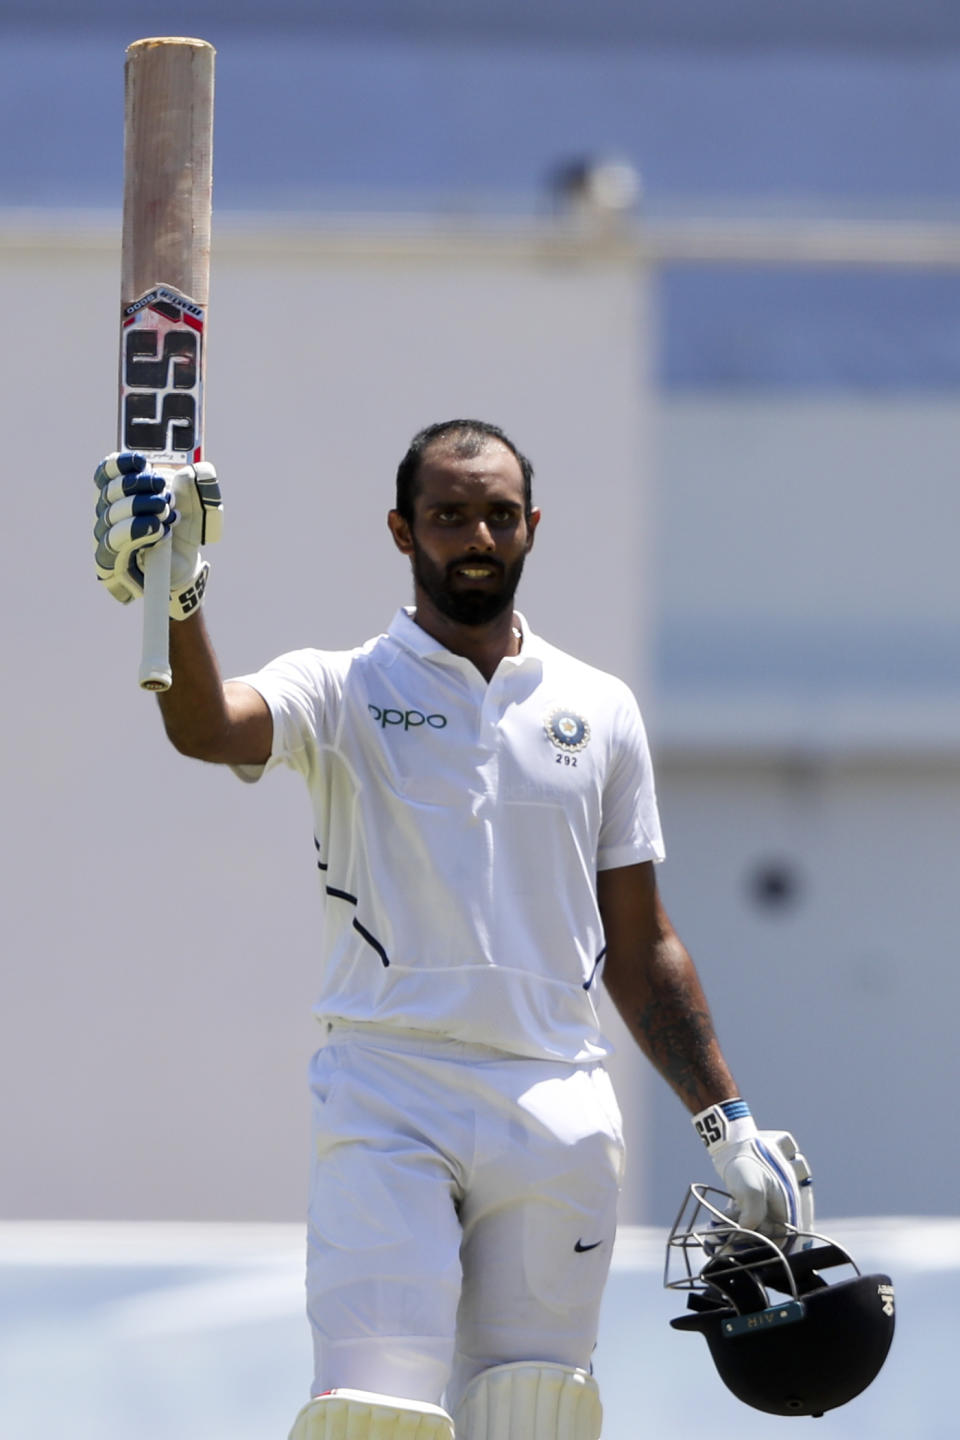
(136, 507)
(134, 510)
(762, 1170)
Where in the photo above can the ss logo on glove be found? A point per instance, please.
(708, 1128)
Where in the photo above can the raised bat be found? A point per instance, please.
(167, 199)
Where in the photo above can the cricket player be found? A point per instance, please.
(486, 835)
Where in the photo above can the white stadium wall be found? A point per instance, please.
(159, 916)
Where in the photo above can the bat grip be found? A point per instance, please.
(155, 673)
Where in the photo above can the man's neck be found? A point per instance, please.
(483, 645)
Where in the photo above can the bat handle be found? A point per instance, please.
(155, 673)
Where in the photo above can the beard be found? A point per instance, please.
(458, 600)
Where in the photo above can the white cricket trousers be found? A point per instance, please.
(462, 1211)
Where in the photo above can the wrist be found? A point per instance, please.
(728, 1122)
(185, 600)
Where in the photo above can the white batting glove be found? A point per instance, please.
(136, 507)
(767, 1177)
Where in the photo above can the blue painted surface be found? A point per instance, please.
(808, 330)
(311, 122)
(299, 116)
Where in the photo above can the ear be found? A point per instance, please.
(400, 530)
(533, 520)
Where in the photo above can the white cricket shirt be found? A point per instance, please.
(459, 826)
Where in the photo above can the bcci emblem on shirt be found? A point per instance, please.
(566, 729)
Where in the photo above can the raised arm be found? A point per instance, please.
(228, 723)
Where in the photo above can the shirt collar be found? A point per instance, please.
(405, 630)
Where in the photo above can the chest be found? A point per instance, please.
(455, 741)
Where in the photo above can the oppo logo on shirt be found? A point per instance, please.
(409, 719)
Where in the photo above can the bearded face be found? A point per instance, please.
(471, 589)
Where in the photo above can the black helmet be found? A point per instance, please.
(804, 1349)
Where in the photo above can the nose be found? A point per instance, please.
(481, 539)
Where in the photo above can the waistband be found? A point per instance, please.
(416, 1042)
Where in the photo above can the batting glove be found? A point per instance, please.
(763, 1171)
(136, 507)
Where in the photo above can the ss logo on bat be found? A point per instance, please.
(162, 340)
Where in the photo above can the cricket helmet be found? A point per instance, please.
(784, 1339)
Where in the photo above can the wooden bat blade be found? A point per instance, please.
(167, 202)
(168, 167)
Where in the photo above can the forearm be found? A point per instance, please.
(194, 709)
(662, 1003)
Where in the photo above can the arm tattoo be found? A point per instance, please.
(680, 1041)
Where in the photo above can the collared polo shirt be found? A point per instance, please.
(459, 826)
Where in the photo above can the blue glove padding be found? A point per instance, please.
(136, 507)
(767, 1177)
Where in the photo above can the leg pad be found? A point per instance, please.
(529, 1401)
(360, 1415)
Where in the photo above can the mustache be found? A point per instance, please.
(491, 561)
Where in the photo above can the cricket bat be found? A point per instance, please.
(167, 197)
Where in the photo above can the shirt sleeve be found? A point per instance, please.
(630, 827)
(301, 692)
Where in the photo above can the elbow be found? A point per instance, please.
(193, 743)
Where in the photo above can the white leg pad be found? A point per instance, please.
(360, 1415)
(529, 1401)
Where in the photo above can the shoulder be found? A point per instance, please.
(601, 685)
(309, 663)
(581, 698)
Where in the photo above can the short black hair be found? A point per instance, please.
(466, 438)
